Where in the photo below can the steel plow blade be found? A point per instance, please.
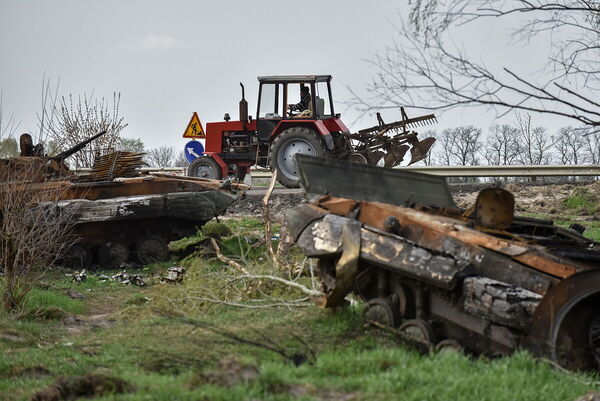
(419, 151)
(395, 156)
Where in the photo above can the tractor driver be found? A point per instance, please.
(304, 107)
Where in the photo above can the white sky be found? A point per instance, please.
(170, 58)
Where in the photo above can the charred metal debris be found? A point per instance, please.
(481, 279)
(119, 214)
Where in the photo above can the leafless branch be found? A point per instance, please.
(423, 69)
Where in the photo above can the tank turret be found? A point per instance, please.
(33, 165)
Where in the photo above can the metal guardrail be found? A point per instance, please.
(491, 171)
(446, 171)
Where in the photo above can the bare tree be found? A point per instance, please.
(8, 127)
(501, 145)
(33, 233)
(424, 68)
(163, 156)
(431, 155)
(570, 145)
(534, 144)
(592, 147)
(180, 160)
(446, 142)
(466, 145)
(75, 119)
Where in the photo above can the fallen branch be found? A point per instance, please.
(267, 219)
(289, 283)
(225, 259)
(248, 306)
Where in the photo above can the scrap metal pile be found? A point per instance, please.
(481, 279)
(116, 164)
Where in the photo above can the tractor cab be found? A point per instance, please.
(279, 95)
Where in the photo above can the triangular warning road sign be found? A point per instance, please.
(194, 128)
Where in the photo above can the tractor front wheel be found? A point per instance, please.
(205, 167)
(285, 147)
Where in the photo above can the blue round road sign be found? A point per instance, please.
(193, 150)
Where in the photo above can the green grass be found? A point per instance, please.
(582, 201)
(155, 347)
(49, 304)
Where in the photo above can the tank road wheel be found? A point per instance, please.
(151, 249)
(418, 330)
(113, 254)
(205, 167)
(566, 323)
(79, 256)
(382, 311)
(285, 147)
(448, 345)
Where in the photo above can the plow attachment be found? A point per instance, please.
(391, 141)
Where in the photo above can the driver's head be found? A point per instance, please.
(304, 90)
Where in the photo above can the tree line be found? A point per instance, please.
(519, 143)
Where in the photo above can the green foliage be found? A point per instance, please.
(131, 145)
(582, 201)
(183, 243)
(48, 304)
(216, 230)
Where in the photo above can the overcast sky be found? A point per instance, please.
(171, 58)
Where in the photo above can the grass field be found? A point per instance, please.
(170, 345)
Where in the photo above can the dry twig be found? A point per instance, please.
(267, 220)
(225, 259)
(289, 283)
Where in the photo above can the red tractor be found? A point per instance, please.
(284, 128)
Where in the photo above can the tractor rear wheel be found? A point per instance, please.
(285, 147)
(205, 167)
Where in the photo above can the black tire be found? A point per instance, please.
(205, 167)
(281, 151)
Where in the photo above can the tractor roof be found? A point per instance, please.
(294, 78)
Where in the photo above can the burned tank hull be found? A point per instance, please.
(116, 213)
(133, 219)
(439, 275)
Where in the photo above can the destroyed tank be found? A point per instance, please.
(119, 214)
(479, 279)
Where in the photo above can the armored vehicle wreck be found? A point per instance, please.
(481, 279)
(119, 214)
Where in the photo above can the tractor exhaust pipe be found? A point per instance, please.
(243, 106)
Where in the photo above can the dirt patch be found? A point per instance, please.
(11, 336)
(89, 385)
(79, 324)
(231, 372)
(251, 204)
(31, 372)
(170, 364)
(556, 199)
